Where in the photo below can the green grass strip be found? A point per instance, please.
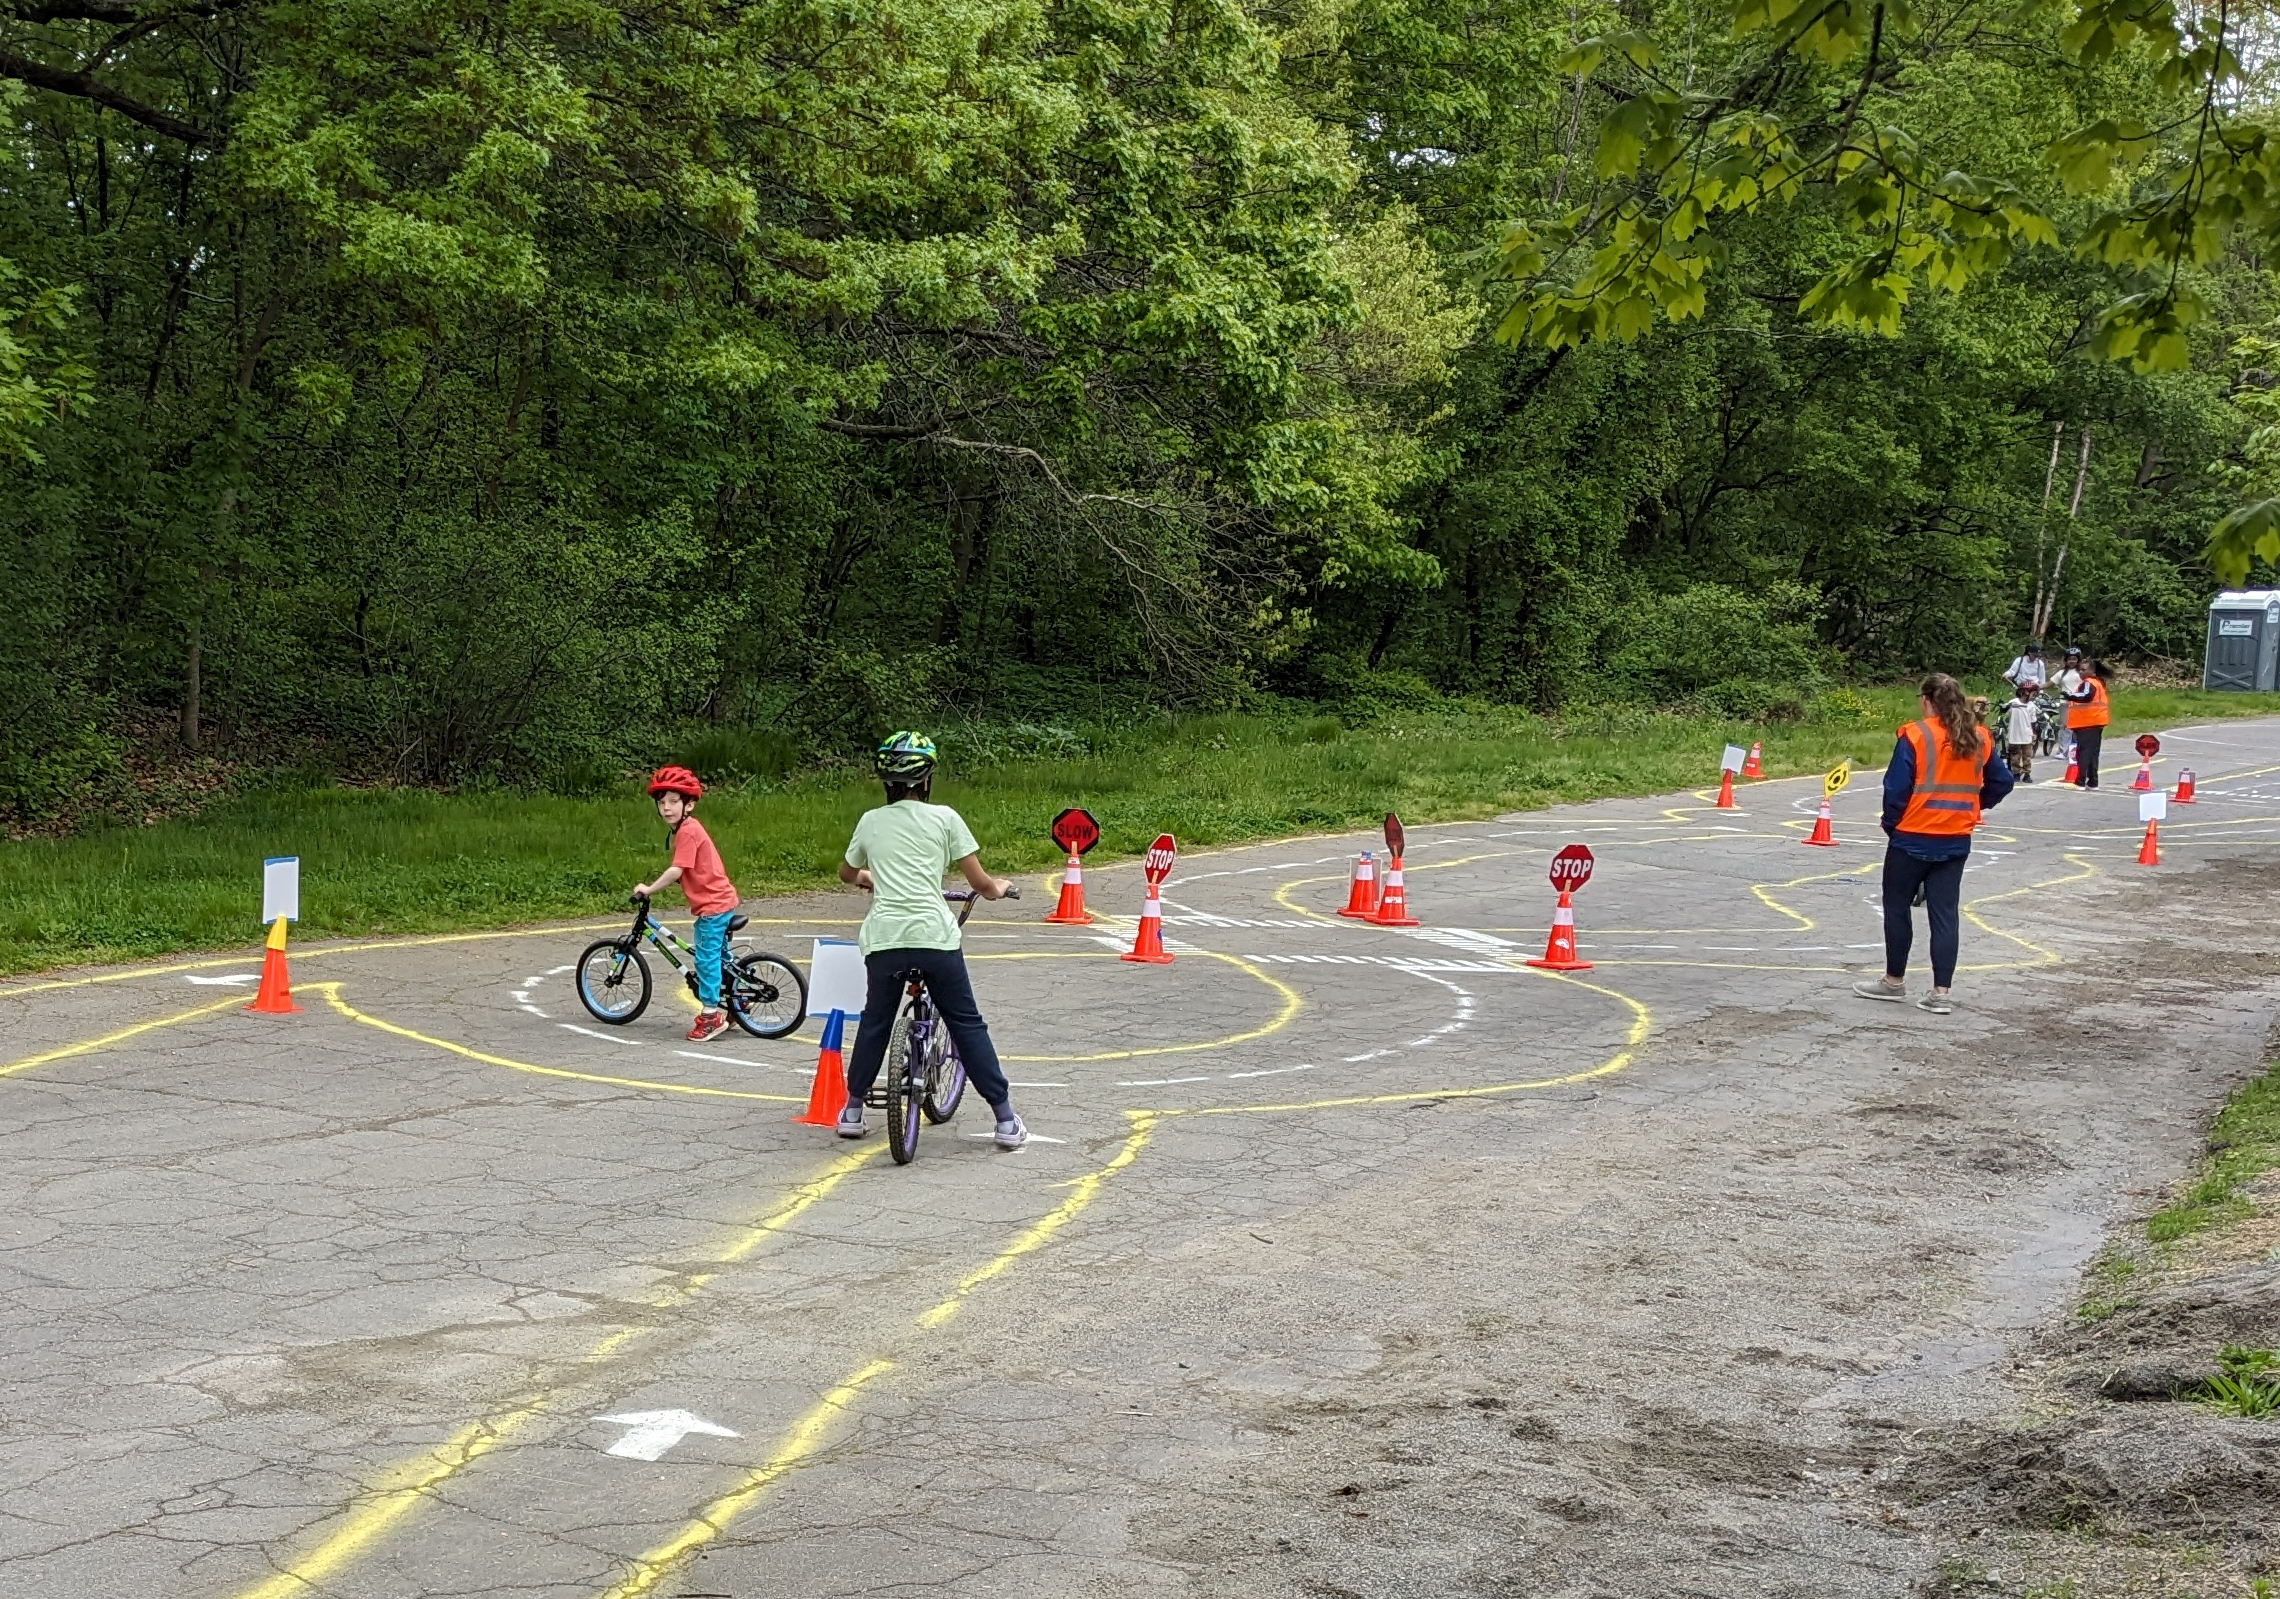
(2244, 1142)
(399, 861)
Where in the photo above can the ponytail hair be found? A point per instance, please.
(1952, 710)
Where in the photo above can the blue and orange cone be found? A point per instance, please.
(829, 1095)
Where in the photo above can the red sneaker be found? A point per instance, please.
(709, 1024)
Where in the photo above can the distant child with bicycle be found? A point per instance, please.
(712, 897)
(901, 852)
(2019, 730)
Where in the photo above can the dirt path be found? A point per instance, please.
(1351, 1261)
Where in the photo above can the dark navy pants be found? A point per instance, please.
(953, 991)
(1942, 882)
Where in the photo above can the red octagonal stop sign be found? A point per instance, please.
(2148, 746)
(1157, 863)
(1571, 868)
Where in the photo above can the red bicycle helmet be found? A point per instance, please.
(676, 780)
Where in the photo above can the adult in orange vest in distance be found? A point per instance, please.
(2088, 710)
(1944, 771)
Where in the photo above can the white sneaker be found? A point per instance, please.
(1878, 988)
(1012, 1133)
(851, 1122)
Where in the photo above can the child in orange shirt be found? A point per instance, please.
(712, 897)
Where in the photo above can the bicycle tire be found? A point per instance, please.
(613, 982)
(765, 993)
(904, 1102)
(945, 1079)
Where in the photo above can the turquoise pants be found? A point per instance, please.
(712, 945)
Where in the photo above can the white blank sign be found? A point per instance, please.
(836, 978)
(2153, 806)
(1733, 758)
(281, 888)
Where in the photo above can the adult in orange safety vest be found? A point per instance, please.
(2088, 710)
(1945, 770)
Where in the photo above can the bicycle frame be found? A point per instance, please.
(665, 942)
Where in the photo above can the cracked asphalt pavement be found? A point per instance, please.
(1349, 1260)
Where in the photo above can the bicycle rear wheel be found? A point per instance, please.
(945, 1078)
(764, 992)
(906, 1078)
(613, 982)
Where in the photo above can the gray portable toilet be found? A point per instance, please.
(2244, 642)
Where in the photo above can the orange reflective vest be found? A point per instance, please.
(2091, 712)
(1946, 796)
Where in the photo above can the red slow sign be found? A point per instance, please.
(1075, 830)
(1157, 863)
(2148, 746)
(1571, 868)
(1394, 838)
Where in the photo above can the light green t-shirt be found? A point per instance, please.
(908, 847)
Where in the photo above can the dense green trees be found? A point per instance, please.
(458, 389)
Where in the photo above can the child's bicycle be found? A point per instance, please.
(764, 993)
(923, 1074)
(2050, 723)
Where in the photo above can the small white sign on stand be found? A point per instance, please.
(281, 888)
(1732, 760)
(2154, 806)
(836, 977)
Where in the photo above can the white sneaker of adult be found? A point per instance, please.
(1879, 988)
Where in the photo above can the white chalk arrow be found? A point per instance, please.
(234, 977)
(651, 1432)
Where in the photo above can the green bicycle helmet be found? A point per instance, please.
(905, 757)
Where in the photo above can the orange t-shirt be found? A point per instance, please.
(703, 878)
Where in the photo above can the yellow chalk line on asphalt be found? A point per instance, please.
(402, 1488)
(331, 991)
(1292, 1004)
(2084, 871)
(90, 1045)
(808, 1434)
(1805, 924)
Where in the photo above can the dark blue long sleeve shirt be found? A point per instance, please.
(1900, 784)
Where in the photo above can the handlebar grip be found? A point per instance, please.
(1013, 891)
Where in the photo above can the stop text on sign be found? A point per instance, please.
(1157, 863)
(1571, 868)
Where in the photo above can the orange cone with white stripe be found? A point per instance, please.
(1148, 944)
(275, 996)
(2143, 782)
(1750, 767)
(1821, 831)
(1393, 903)
(2149, 852)
(2073, 764)
(1362, 893)
(1071, 912)
(1559, 949)
(1726, 792)
(2184, 795)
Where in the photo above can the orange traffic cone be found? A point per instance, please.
(2073, 764)
(1750, 767)
(2184, 795)
(2149, 852)
(2144, 780)
(1071, 912)
(1559, 949)
(1821, 833)
(1148, 946)
(1393, 904)
(275, 996)
(829, 1095)
(1362, 893)
(1726, 792)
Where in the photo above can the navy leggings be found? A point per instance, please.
(1941, 882)
(953, 991)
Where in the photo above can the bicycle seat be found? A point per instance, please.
(736, 923)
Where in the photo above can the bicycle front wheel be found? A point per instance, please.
(765, 993)
(945, 1079)
(906, 1077)
(613, 982)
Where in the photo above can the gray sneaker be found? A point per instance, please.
(851, 1121)
(1879, 988)
(1937, 1004)
(1011, 1133)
